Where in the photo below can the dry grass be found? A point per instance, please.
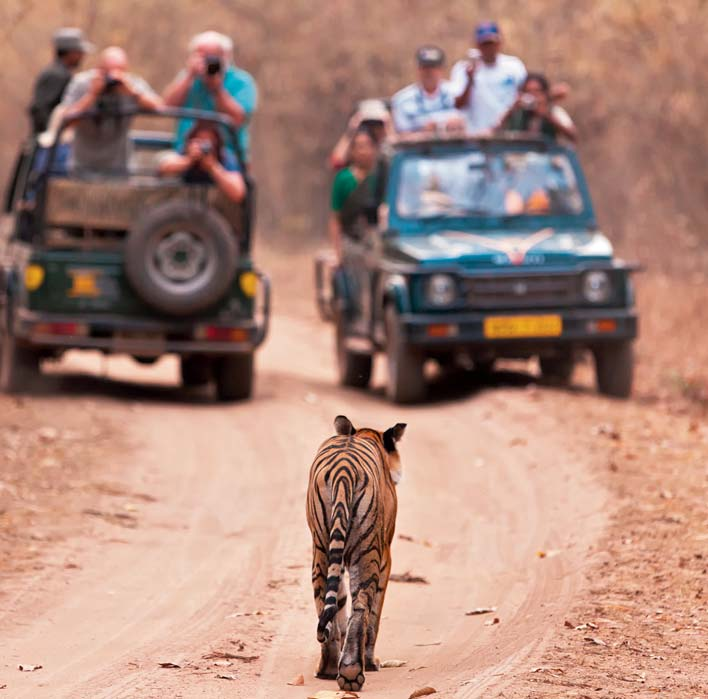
(635, 67)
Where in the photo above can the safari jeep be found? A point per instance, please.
(137, 264)
(485, 249)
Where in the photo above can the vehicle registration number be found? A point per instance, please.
(522, 326)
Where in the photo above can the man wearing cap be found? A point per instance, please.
(487, 81)
(70, 47)
(430, 103)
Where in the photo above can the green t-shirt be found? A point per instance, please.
(344, 184)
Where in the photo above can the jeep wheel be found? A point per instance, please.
(195, 370)
(19, 366)
(406, 381)
(354, 367)
(180, 257)
(557, 371)
(614, 369)
(234, 377)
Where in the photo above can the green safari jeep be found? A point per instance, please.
(482, 249)
(130, 263)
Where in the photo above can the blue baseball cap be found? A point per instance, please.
(487, 31)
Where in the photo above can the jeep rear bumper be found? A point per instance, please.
(147, 337)
(578, 327)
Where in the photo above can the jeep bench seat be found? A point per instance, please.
(114, 205)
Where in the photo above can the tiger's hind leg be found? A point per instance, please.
(370, 661)
(329, 650)
(351, 663)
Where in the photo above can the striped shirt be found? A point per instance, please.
(413, 108)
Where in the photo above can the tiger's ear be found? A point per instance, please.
(343, 426)
(393, 435)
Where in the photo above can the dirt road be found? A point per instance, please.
(200, 546)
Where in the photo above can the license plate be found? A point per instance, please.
(522, 326)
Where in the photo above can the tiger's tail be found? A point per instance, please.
(342, 490)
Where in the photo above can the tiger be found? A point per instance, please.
(351, 513)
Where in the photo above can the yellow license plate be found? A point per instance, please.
(522, 326)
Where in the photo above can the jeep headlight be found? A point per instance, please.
(441, 290)
(597, 286)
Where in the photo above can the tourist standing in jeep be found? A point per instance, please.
(211, 82)
(101, 144)
(70, 47)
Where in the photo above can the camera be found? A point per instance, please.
(205, 147)
(111, 83)
(213, 64)
(528, 102)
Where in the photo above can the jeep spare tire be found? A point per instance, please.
(180, 257)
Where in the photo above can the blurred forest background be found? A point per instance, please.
(637, 70)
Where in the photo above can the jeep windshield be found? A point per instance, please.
(495, 184)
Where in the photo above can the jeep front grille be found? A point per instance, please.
(523, 291)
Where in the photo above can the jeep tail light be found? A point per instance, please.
(61, 329)
(216, 333)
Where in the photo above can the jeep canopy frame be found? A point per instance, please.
(39, 179)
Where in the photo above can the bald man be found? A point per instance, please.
(101, 144)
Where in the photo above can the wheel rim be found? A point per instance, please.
(181, 261)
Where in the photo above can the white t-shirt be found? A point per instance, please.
(413, 108)
(494, 90)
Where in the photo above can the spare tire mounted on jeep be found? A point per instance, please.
(180, 257)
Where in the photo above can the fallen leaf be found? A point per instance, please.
(169, 664)
(28, 668)
(226, 677)
(595, 641)
(327, 694)
(492, 622)
(393, 663)
(541, 554)
(423, 645)
(481, 610)
(222, 663)
(297, 681)
(554, 671)
(408, 577)
(422, 692)
(568, 625)
(585, 626)
(405, 537)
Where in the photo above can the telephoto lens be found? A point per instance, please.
(213, 65)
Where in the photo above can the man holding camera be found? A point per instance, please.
(206, 161)
(211, 82)
(487, 81)
(101, 143)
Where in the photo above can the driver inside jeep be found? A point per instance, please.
(205, 160)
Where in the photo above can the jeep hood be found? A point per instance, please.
(522, 248)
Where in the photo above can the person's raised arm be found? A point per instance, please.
(467, 78)
(563, 124)
(174, 164)
(175, 94)
(338, 157)
(226, 104)
(77, 99)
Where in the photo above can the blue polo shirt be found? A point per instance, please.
(240, 85)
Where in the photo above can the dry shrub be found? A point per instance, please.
(635, 67)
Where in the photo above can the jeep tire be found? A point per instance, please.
(195, 370)
(614, 368)
(234, 376)
(180, 257)
(406, 380)
(19, 366)
(557, 371)
(354, 368)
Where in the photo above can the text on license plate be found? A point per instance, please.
(523, 326)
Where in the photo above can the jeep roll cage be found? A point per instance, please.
(38, 179)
